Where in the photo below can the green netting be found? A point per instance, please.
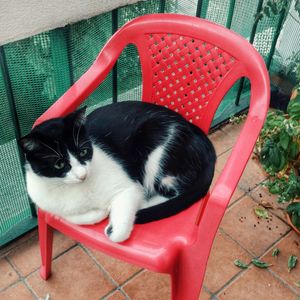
(287, 53)
(14, 203)
(41, 68)
(35, 79)
(264, 36)
(216, 11)
(85, 40)
(129, 80)
(7, 132)
(243, 17)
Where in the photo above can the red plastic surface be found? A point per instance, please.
(188, 64)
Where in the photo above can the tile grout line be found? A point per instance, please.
(16, 247)
(65, 251)
(106, 297)
(283, 220)
(232, 239)
(132, 277)
(23, 279)
(206, 289)
(232, 280)
(99, 264)
(102, 269)
(239, 274)
(129, 280)
(52, 260)
(284, 282)
(274, 273)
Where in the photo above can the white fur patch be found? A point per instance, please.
(106, 179)
(168, 181)
(152, 167)
(78, 172)
(153, 164)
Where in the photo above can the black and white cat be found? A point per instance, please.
(133, 161)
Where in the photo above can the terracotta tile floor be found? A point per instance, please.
(82, 273)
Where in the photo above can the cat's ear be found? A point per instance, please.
(28, 143)
(79, 116)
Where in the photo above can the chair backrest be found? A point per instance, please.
(188, 64)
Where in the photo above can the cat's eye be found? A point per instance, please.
(83, 152)
(59, 165)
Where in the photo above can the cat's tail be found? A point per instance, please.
(170, 207)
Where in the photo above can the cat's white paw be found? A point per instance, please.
(117, 234)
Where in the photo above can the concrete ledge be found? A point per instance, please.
(20, 19)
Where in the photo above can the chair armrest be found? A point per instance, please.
(213, 210)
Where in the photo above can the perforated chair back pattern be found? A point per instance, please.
(188, 65)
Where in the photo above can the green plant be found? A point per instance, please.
(294, 211)
(275, 7)
(278, 149)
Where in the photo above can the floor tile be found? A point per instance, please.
(253, 175)
(238, 193)
(261, 194)
(120, 271)
(258, 284)
(8, 274)
(233, 130)
(17, 292)
(220, 268)
(27, 257)
(289, 245)
(221, 141)
(221, 161)
(116, 296)
(204, 295)
(149, 286)
(255, 234)
(74, 276)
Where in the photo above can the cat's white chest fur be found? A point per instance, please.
(105, 179)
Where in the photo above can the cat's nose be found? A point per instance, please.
(82, 177)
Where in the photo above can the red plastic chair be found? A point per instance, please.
(188, 65)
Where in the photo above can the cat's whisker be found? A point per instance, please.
(50, 156)
(58, 154)
(85, 142)
(77, 139)
(73, 134)
(58, 146)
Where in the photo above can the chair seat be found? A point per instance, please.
(152, 245)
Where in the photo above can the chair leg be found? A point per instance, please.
(187, 278)
(46, 241)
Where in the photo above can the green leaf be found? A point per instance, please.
(284, 140)
(240, 264)
(297, 7)
(261, 212)
(273, 6)
(297, 284)
(274, 189)
(294, 109)
(275, 252)
(260, 264)
(293, 150)
(292, 262)
(267, 11)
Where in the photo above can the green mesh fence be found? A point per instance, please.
(38, 70)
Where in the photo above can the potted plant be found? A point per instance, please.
(278, 149)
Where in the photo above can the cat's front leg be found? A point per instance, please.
(90, 217)
(122, 213)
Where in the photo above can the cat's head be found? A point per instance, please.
(60, 148)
